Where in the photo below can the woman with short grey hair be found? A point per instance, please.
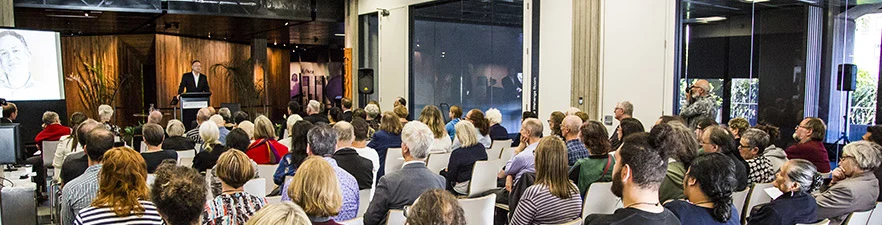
(854, 188)
(176, 139)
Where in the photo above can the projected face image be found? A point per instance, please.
(15, 59)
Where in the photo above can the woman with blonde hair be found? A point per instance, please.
(431, 116)
(265, 149)
(280, 213)
(315, 187)
(176, 139)
(233, 205)
(122, 192)
(402, 114)
(482, 128)
(210, 149)
(389, 136)
(436, 207)
(462, 160)
(553, 198)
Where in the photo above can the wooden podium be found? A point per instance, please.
(190, 103)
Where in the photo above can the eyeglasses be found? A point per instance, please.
(806, 127)
(743, 146)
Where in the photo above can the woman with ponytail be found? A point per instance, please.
(796, 179)
(708, 186)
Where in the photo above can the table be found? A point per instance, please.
(17, 202)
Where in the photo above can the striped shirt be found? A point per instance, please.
(193, 135)
(234, 208)
(79, 193)
(104, 215)
(539, 206)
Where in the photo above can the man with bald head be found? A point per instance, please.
(71, 162)
(523, 160)
(699, 105)
(569, 128)
(78, 193)
(155, 117)
(203, 115)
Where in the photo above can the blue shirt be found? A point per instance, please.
(451, 128)
(522, 162)
(222, 138)
(575, 151)
(693, 214)
(381, 142)
(285, 169)
(348, 187)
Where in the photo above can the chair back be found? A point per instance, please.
(396, 217)
(48, 152)
(185, 162)
(483, 177)
(437, 161)
(858, 218)
(738, 199)
(478, 210)
(357, 221)
(496, 148)
(756, 197)
(187, 153)
(876, 216)
(267, 171)
(602, 200)
(364, 200)
(150, 178)
(506, 154)
(256, 187)
(394, 161)
(143, 146)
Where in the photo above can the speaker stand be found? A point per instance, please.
(843, 137)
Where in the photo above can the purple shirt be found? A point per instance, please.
(522, 162)
(348, 186)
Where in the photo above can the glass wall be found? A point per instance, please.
(468, 53)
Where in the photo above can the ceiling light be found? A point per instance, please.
(340, 35)
(707, 19)
(286, 23)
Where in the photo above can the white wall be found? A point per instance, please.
(637, 57)
(555, 57)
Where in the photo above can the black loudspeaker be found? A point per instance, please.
(366, 80)
(847, 77)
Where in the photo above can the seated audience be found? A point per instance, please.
(455, 113)
(552, 199)
(718, 139)
(176, 139)
(388, 136)
(123, 196)
(280, 213)
(582, 115)
(52, 129)
(737, 126)
(854, 188)
(627, 127)
(810, 134)
(233, 205)
(248, 127)
(797, 179)
(348, 159)
(359, 113)
(431, 116)
(679, 144)
(524, 116)
(105, 114)
(874, 134)
(776, 155)
(222, 129)
(10, 112)
(554, 123)
(322, 140)
(210, 150)
(296, 154)
(459, 168)
(75, 163)
(235, 141)
(373, 111)
(335, 115)
(227, 115)
(201, 116)
(402, 113)
(523, 160)
(569, 128)
(597, 167)
(315, 187)
(624, 109)
(753, 142)
(638, 172)
(265, 149)
(708, 186)
(154, 154)
(360, 129)
(179, 194)
(436, 207)
(497, 131)
(402, 187)
(482, 125)
(346, 106)
(69, 144)
(292, 119)
(313, 113)
(240, 116)
(79, 190)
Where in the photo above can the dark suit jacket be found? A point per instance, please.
(316, 118)
(75, 164)
(5, 120)
(359, 167)
(347, 116)
(189, 83)
(798, 207)
(403, 187)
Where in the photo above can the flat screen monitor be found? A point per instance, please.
(10, 144)
(30, 65)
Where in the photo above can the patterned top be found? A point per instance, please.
(193, 135)
(234, 208)
(760, 170)
(539, 206)
(348, 186)
(576, 151)
(103, 215)
(78, 194)
(703, 107)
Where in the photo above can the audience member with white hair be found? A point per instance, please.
(210, 149)
(699, 103)
(248, 127)
(105, 114)
(313, 113)
(854, 188)
(373, 111)
(289, 122)
(228, 117)
(523, 160)
(176, 139)
(497, 131)
(569, 128)
(403, 187)
(222, 130)
(52, 131)
(462, 160)
(624, 110)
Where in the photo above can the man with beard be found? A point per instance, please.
(700, 104)
(637, 175)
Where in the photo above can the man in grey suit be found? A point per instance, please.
(400, 188)
(854, 187)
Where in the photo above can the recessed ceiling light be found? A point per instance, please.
(340, 35)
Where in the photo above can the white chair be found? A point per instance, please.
(483, 177)
(185, 162)
(356, 221)
(48, 152)
(876, 216)
(822, 222)
(393, 160)
(267, 171)
(437, 161)
(602, 200)
(738, 199)
(273, 199)
(496, 148)
(256, 187)
(364, 199)
(858, 218)
(756, 197)
(506, 154)
(478, 210)
(186, 153)
(396, 217)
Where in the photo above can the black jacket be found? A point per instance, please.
(178, 143)
(360, 167)
(316, 118)
(798, 207)
(347, 116)
(189, 83)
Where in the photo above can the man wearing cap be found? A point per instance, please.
(699, 104)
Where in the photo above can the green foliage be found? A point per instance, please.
(863, 99)
(241, 75)
(95, 87)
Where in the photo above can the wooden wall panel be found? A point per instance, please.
(74, 49)
(173, 57)
(278, 81)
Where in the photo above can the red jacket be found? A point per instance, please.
(260, 151)
(813, 151)
(53, 132)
